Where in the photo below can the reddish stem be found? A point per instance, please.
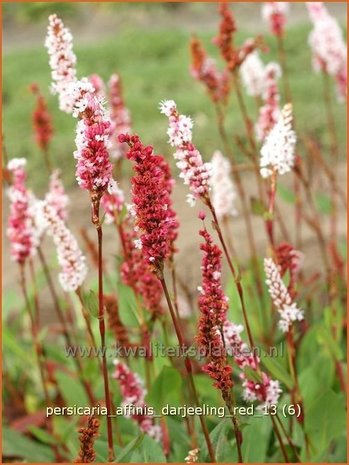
(111, 455)
(188, 367)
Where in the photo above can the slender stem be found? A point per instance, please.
(235, 276)
(282, 446)
(47, 160)
(249, 131)
(282, 59)
(331, 124)
(230, 242)
(111, 455)
(174, 287)
(61, 318)
(36, 295)
(237, 432)
(289, 439)
(270, 219)
(316, 226)
(86, 318)
(243, 199)
(298, 213)
(315, 153)
(188, 367)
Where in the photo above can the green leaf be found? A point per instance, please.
(151, 451)
(126, 451)
(325, 420)
(257, 207)
(17, 445)
(127, 306)
(317, 377)
(11, 345)
(225, 450)
(323, 203)
(252, 374)
(90, 300)
(286, 194)
(325, 338)
(165, 389)
(42, 435)
(256, 439)
(71, 390)
(277, 370)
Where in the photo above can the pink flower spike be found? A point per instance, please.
(288, 310)
(135, 271)
(70, 258)
(21, 229)
(56, 196)
(112, 202)
(42, 121)
(202, 215)
(59, 44)
(213, 305)
(223, 190)
(98, 85)
(119, 116)
(278, 151)
(252, 72)
(194, 172)
(275, 14)
(265, 391)
(133, 395)
(155, 217)
(270, 110)
(328, 46)
(203, 68)
(93, 168)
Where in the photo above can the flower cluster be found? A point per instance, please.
(328, 46)
(21, 229)
(119, 116)
(288, 310)
(70, 258)
(213, 305)
(93, 168)
(233, 56)
(98, 85)
(59, 43)
(266, 391)
(224, 40)
(115, 323)
(194, 172)
(203, 68)
(193, 456)
(112, 202)
(275, 14)
(278, 151)
(289, 260)
(152, 203)
(252, 72)
(42, 121)
(270, 110)
(133, 393)
(223, 190)
(136, 274)
(56, 196)
(87, 437)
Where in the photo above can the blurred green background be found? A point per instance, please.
(148, 45)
